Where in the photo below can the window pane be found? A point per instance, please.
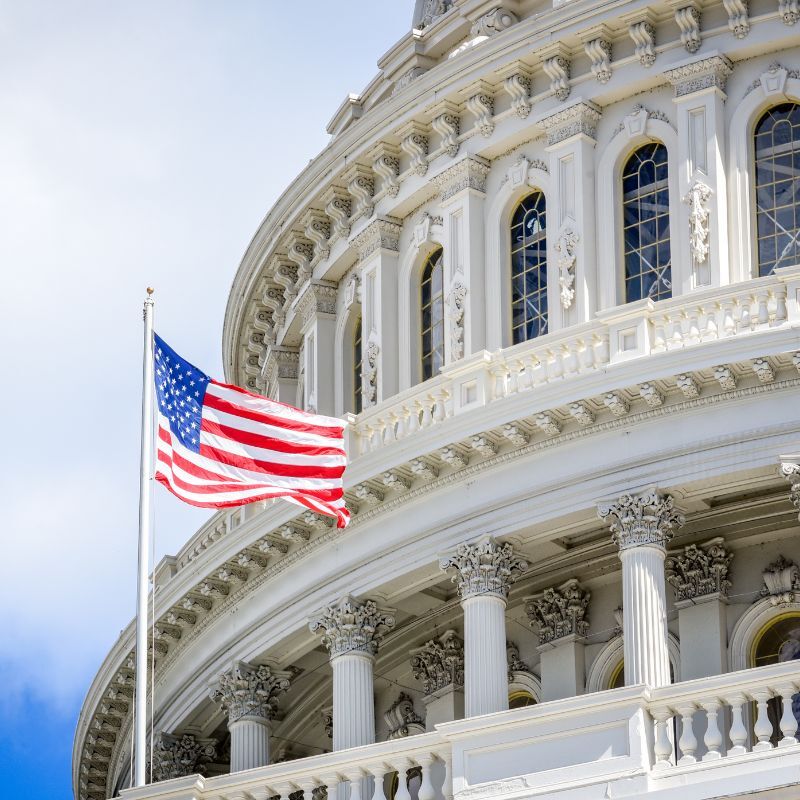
(432, 316)
(529, 269)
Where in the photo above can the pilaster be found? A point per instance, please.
(317, 309)
(281, 371)
(699, 85)
(439, 666)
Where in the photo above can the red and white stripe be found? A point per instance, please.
(253, 448)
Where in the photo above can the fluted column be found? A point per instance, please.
(352, 632)
(483, 572)
(641, 526)
(249, 694)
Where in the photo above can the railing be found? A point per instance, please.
(633, 331)
(743, 720)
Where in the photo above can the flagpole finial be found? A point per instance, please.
(150, 290)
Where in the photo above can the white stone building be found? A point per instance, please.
(549, 268)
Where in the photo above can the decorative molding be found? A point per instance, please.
(361, 186)
(457, 301)
(439, 663)
(548, 424)
(699, 570)
(566, 246)
(649, 518)
(635, 122)
(515, 434)
(481, 106)
(352, 626)
(337, 207)
(697, 199)
(581, 413)
(317, 227)
(688, 386)
(414, 143)
(738, 20)
(495, 21)
(453, 457)
(651, 395)
(773, 81)
(781, 582)
(559, 611)
(642, 30)
(725, 376)
(599, 53)
(179, 756)
(556, 65)
(468, 173)
(382, 233)
(616, 404)
(327, 720)
(447, 124)
(316, 298)
(791, 471)
(789, 11)
(484, 445)
(401, 718)
(705, 73)
(485, 567)
(247, 690)
(386, 164)
(431, 11)
(370, 371)
(514, 662)
(422, 230)
(763, 370)
(517, 86)
(407, 78)
(581, 118)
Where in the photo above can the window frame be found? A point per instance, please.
(434, 260)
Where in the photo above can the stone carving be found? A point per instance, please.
(370, 389)
(481, 106)
(301, 253)
(706, 73)
(699, 570)
(327, 721)
(781, 581)
(763, 370)
(285, 274)
(789, 11)
(791, 471)
(458, 303)
(688, 19)
(422, 469)
(566, 247)
(318, 230)
(643, 33)
(439, 662)
(580, 118)
(368, 495)
(484, 445)
(518, 88)
(737, 17)
(697, 200)
(581, 413)
(548, 424)
(431, 11)
(247, 690)
(386, 164)
(559, 611)
(515, 434)
(179, 756)
(650, 394)
(468, 173)
(514, 662)
(725, 377)
(408, 77)
(599, 53)
(556, 67)
(337, 207)
(447, 125)
(635, 123)
(649, 518)
(485, 567)
(395, 481)
(688, 385)
(361, 185)
(402, 720)
(351, 625)
(495, 21)
(414, 143)
(453, 457)
(381, 234)
(616, 404)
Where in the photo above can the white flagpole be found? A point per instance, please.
(145, 498)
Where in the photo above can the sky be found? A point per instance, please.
(141, 143)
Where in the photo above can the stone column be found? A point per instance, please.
(483, 572)
(249, 693)
(560, 615)
(352, 631)
(439, 665)
(641, 526)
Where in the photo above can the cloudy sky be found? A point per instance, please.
(140, 143)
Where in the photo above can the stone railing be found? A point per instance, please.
(624, 333)
(732, 734)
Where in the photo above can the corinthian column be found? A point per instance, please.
(483, 573)
(352, 632)
(249, 694)
(641, 527)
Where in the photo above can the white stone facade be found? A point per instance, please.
(596, 526)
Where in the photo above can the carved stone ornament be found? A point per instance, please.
(789, 11)
(352, 290)
(431, 11)
(351, 625)
(485, 567)
(458, 303)
(643, 34)
(599, 52)
(738, 20)
(448, 124)
(791, 471)
(781, 581)
(556, 65)
(402, 720)
(705, 73)
(371, 372)
(386, 164)
(559, 611)
(327, 721)
(699, 570)
(649, 518)
(179, 756)
(495, 21)
(414, 143)
(439, 663)
(468, 173)
(688, 19)
(381, 234)
(566, 247)
(581, 118)
(697, 200)
(518, 87)
(246, 690)
(514, 662)
(422, 230)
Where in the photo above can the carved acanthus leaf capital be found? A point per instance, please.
(401, 718)
(649, 518)
(351, 625)
(560, 611)
(381, 234)
(179, 756)
(249, 690)
(485, 567)
(439, 662)
(699, 570)
(468, 173)
(580, 118)
(705, 73)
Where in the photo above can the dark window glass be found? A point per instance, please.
(645, 219)
(432, 315)
(357, 367)
(529, 269)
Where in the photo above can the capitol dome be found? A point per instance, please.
(548, 269)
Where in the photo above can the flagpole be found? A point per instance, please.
(145, 498)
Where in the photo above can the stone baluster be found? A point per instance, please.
(713, 739)
(788, 721)
(662, 745)
(352, 631)
(249, 693)
(738, 731)
(483, 573)
(763, 725)
(641, 526)
(688, 741)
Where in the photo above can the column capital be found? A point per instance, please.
(439, 662)
(381, 234)
(484, 567)
(179, 756)
(468, 173)
(698, 571)
(581, 118)
(708, 72)
(559, 611)
(790, 469)
(644, 519)
(351, 625)
(249, 690)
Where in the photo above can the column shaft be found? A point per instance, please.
(645, 619)
(485, 667)
(249, 743)
(353, 700)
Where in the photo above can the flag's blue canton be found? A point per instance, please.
(180, 389)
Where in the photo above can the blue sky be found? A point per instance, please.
(140, 143)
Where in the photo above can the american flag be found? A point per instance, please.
(221, 446)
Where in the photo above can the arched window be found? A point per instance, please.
(777, 160)
(529, 269)
(432, 310)
(521, 699)
(645, 219)
(357, 367)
